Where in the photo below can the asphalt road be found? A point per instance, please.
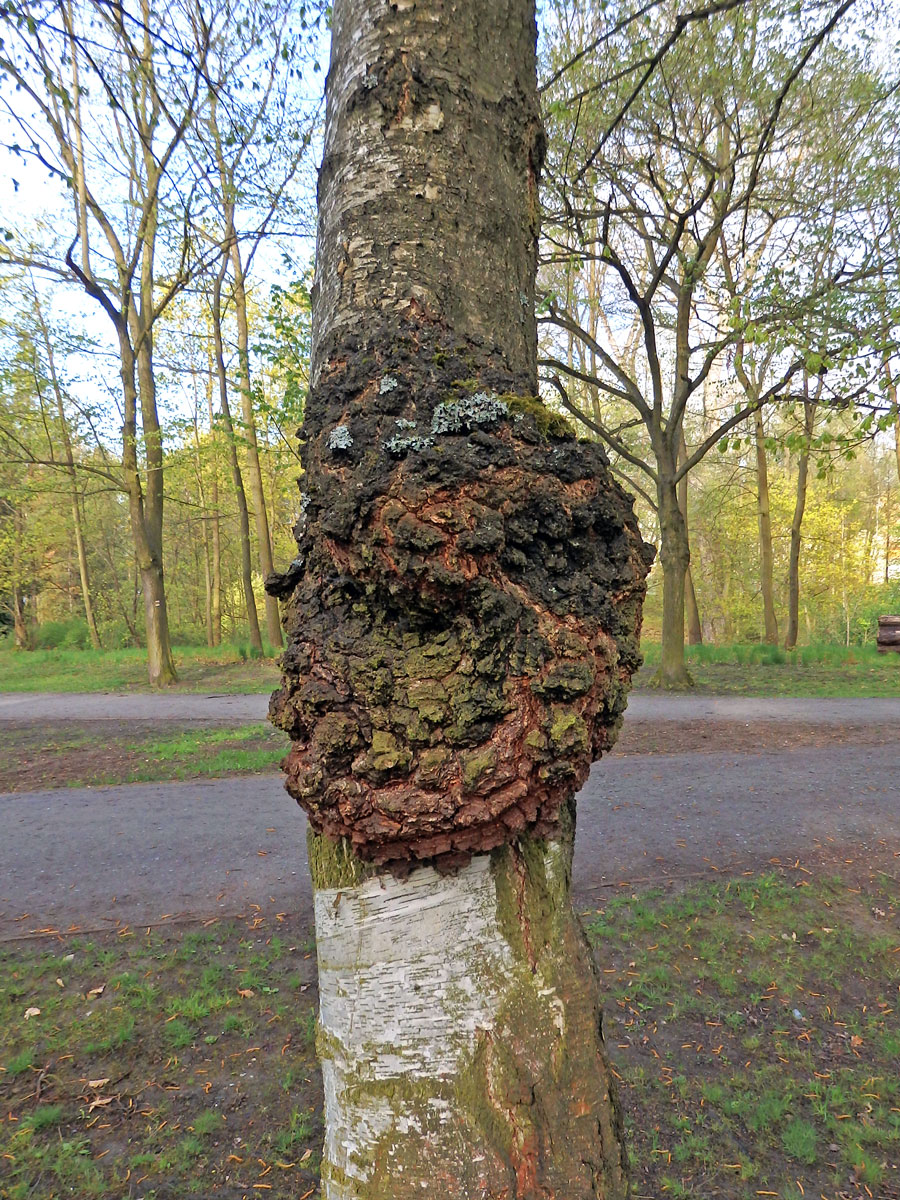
(25, 707)
(138, 853)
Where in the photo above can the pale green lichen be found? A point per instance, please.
(460, 416)
(340, 438)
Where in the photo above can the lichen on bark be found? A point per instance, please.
(464, 615)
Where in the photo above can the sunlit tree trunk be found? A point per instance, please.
(236, 477)
(214, 521)
(764, 522)
(809, 419)
(462, 616)
(691, 609)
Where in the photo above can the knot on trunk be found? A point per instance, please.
(465, 610)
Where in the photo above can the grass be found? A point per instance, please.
(750, 670)
(760, 670)
(36, 757)
(210, 752)
(223, 669)
(752, 1023)
(154, 1069)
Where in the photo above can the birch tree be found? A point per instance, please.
(463, 615)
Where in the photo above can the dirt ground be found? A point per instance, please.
(677, 737)
(44, 754)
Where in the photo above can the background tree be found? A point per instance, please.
(108, 96)
(660, 189)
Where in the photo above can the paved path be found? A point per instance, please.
(135, 853)
(21, 707)
(18, 708)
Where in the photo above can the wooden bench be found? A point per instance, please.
(888, 637)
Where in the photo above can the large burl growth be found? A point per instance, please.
(464, 609)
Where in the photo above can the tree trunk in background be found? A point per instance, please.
(83, 566)
(237, 481)
(228, 194)
(691, 609)
(809, 420)
(674, 557)
(215, 534)
(257, 492)
(463, 617)
(20, 626)
(764, 520)
(77, 524)
(204, 521)
(146, 527)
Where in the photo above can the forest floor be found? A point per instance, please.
(751, 1023)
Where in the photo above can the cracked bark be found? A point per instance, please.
(463, 616)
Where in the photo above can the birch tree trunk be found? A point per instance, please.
(463, 616)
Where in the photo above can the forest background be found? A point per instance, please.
(719, 303)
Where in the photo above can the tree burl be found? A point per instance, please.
(464, 609)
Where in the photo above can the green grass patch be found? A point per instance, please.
(821, 670)
(753, 1025)
(193, 1094)
(33, 758)
(226, 668)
